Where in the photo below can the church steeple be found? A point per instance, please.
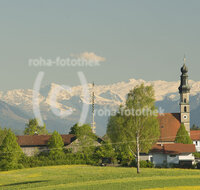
(184, 86)
(184, 90)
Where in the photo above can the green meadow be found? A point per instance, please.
(89, 177)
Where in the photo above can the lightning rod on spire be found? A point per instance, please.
(184, 59)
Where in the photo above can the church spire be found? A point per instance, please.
(184, 86)
(184, 90)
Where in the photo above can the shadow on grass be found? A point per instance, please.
(23, 183)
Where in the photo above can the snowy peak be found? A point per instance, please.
(104, 94)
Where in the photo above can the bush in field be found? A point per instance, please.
(41, 160)
(105, 153)
(198, 165)
(143, 164)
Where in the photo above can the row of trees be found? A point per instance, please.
(86, 150)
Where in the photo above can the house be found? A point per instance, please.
(195, 136)
(33, 144)
(173, 154)
(76, 145)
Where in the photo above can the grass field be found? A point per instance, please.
(88, 177)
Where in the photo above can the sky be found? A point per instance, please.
(143, 39)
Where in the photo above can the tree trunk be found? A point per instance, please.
(138, 154)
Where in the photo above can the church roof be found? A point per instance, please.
(169, 125)
(195, 135)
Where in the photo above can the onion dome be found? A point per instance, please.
(184, 69)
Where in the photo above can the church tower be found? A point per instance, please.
(184, 90)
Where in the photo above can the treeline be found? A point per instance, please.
(194, 127)
(87, 151)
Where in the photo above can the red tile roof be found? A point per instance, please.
(41, 140)
(195, 135)
(157, 148)
(169, 125)
(176, 148)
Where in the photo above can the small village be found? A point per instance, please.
(175, 146)
(99, 95)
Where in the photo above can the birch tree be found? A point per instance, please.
(135, 126)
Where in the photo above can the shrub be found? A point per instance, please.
(198, 165)
(197, 154)
(143, 164)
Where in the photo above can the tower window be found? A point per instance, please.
(185, 109)
(184, 100)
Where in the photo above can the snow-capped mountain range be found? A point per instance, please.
(16, 106)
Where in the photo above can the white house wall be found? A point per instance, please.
(186, 157)
(159, 159)
(197, 145)
(31, 151)
(173, 159)
(146, 157)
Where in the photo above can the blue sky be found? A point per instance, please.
(139, 39)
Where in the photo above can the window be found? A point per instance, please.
(185, 100)
(172, 156)
(196, 143)
(185, 109)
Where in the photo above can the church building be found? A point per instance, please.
(166, 151)
(170, 122)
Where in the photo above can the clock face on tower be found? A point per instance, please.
(185, 117)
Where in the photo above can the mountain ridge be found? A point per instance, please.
(106, 96)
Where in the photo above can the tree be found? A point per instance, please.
(3, 133)
(82, 130)
(32, 127)
(10, 152)
(182, 136)
(56, 145)
(86, 138)
(135, 127)
(106, 151)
